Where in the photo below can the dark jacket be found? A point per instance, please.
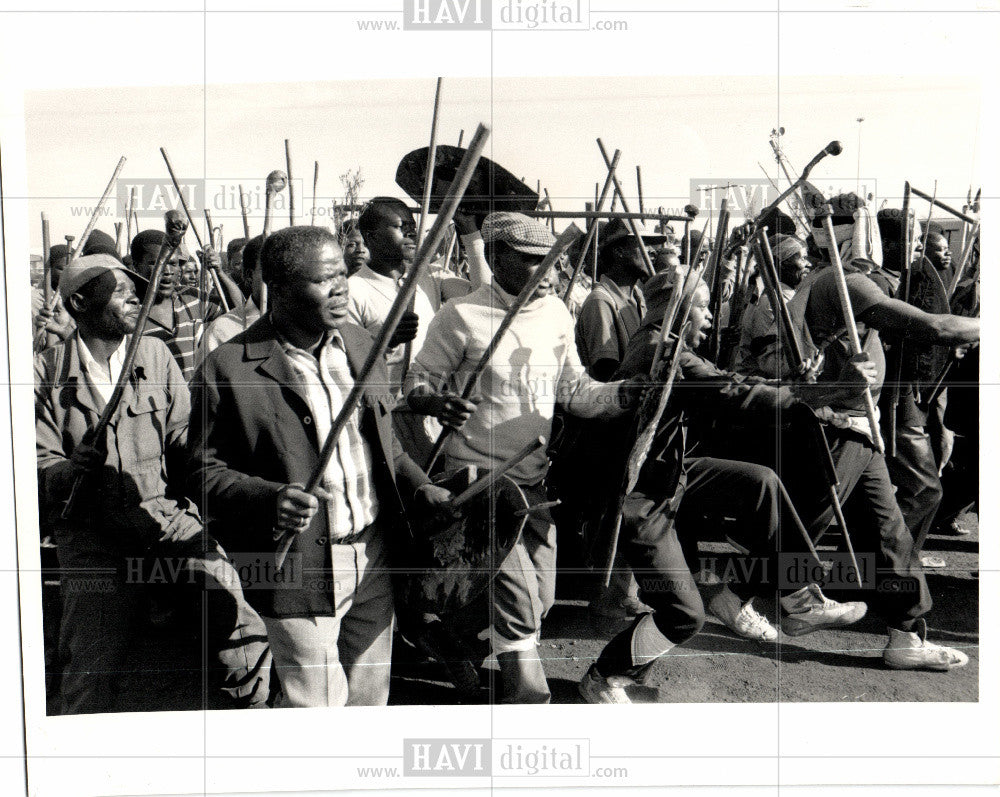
(252, 434)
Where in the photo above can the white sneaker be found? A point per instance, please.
(741, 618)
(810, 610)
(910, 650)
(615, 689)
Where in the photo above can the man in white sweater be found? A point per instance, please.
(535, 366)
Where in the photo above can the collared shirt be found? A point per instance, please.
(228, 326)
(94, 372)
(348, 477)
(535, 366)
(184, 335)
(372, 296)
(608, 319)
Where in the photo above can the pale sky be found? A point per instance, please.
(916, 128)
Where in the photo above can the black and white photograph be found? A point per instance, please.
(486, 395)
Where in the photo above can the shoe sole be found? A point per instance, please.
(808, 628)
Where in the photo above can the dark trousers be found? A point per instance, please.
(914, 471)
(720, 491)
(654, 553)
(102, 595)
(897, 590)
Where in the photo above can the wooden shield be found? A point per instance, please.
(454, 564)
(492, 187)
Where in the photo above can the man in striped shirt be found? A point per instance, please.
(178, 317)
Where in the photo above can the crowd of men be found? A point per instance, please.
(204, 466)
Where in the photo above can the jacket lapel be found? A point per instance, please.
(262, 345)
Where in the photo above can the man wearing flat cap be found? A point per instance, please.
(535, 367)
(129, 525)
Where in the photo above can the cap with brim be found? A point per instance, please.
(519, 232)
(658, 289)
(84, 269)
(618, 230)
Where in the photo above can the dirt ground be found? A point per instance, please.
(716, 666)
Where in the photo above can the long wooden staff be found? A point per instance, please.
(425, 209)
(644, 438)
(434, 237)
(800, 368)
(903, 294)
(631, 222)
(852, 328)
(487, 481)
(97, 212)
(187, 212)
(638, 187)
(291, 185)
(175, 234)
(592, 232)
(46, 261)
(564, 241)
(717, 258)
(312, 217)
(128, 218)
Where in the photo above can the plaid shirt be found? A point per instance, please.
(349, 475)
(184, 337)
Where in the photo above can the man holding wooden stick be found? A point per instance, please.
(821, 310)
(534, 367)
(269, 397)
(129, 527)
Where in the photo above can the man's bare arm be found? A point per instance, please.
(899, 318)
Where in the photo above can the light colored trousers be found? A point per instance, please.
(341, 660)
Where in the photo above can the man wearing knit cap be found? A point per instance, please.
(757, 322)
(129, 525)
(535, 366)
(665, 514)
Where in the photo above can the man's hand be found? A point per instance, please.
(451, 409)
(210, 257)
(857, 375)
(296, 508)
(87, 458)
(406, 329)
(464, 223)
(632, 391)
(434, 502)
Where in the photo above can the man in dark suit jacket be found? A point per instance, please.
(264, 403)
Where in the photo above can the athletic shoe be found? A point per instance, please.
(615, 689)
(810, 610)
(910, 650)
(741, 618)
(930, 561)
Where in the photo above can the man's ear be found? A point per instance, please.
(77, 303)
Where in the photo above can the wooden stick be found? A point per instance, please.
(291, 186)
(947, 208)
(631, 222)
(425, 200)
(435, 235)
(565, 239)
(243, 213)
(46, 261)
(461, 134)
(312, 218)
(902, 293)
(592, 232)
(638, 184)
(128, 217)
(187, 212)
(852, 328)
(487, 481)
(552, 219)
(97, 211)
